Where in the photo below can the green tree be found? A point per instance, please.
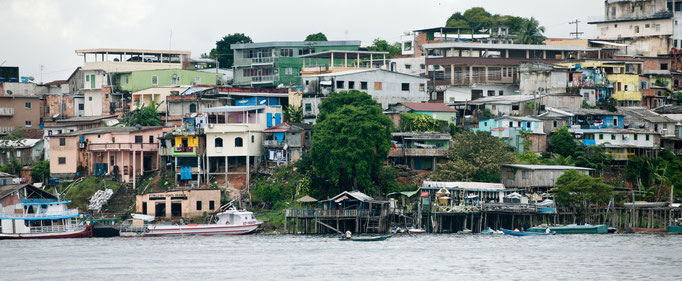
(475, 156)
(40, 171)
(351, 141)
(563, 143)
(144, 116)
(530, 32)
(418, 122)
(380, 45)
(222, 51)
(475, 18)
(592, 156)
(316, 37)
(579, 191)
(8, 145)
(292, 113)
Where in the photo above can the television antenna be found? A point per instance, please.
(577, 33)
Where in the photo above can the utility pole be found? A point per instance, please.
(577, 33)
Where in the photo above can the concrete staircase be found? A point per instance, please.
(120, 203)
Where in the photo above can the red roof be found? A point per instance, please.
(437, 107)
(57, 82)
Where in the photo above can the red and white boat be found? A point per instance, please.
(30, 213)
(229, 222)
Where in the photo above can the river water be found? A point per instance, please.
(287, 257)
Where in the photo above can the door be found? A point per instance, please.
(160, 209)
(176, 209)
(147, 163)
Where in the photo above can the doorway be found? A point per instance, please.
(160, 210)
(176, 209)
(147, 163)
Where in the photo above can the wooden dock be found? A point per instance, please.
(319, 221)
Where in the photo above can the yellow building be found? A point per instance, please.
(623, 74)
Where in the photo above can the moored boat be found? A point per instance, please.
(675, 228)
(229, 222)
(648, 230)
(573, 229)
(524, 233)
(367, 238)
(105, 228)
(30, 213)
(415, 231)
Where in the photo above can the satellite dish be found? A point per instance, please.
(9, 92)
(193, 115)
(55, 116)
(263, 101)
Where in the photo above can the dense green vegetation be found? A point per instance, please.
(475, 156)
(292, 113)
(477, 19)
(80, 193)
(40, 171)
(655, 176)
(417, 122)
(222, 51)
(580, 192)
(145, 115)
(379, 45)
(316, 37)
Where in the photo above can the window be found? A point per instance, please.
(218, 142)
(18, 154)
(151, 139)
(363, 85)
(613, 137)
(197, 80)
(528, 124)
(524, 175)
(89, 98)
(515, 107)
(511, 124)
(422, 87)
(308, 107)
(112, 160)
(625, 88)
(378, 86)
(28, 124)
(286, 52)
(500, 93)
(198, 205)
(113, 140)
(615, 121)
(81, 106)
(87, 78)
(253, 139)
(408, 66)
(175, 79)
(491, 93)
(289, 71)
(351, 85)
(636, 136)
(636, 28)
(624, 137)
(647, 137)
(664, 66)
(555, 124)
(405, 86)
(193, 108)
(238, 142)
(211, 205)
(138, 139)
(62, 160)
(155, 80)
(422, 66)
(28, 105)
(601, 136)
(339, 84)
(125, 79)
(62, 141)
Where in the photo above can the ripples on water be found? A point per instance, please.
(427, 257)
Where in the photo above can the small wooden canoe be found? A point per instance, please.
(367, 238)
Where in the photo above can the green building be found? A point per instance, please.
(269, 64)
(140, 80)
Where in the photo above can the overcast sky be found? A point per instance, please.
(46, 32)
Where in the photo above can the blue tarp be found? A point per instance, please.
(252, 101)
(186, 173)
(280, 137)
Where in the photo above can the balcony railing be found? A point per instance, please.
(264, 79)
(271, 143)
(53, 228)
(318, 213)
(181, 149)
(6, 129)
(123, 146)
(6, 111)
(264, 60)
(67, 213)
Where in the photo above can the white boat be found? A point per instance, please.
(229, 222)
(415, 230)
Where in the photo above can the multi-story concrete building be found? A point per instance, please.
(122, 152)
(384, 86)
(622, 80)
(639, 27)
(419, 150)
(556, 118)
(144, 79)
(269, 64)
(21, 111)
(621, 144)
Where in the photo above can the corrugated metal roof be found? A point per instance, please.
(464, 185)
(507, 47)
(437, 107)
(231, 108)
(25, 143)
(302, 44)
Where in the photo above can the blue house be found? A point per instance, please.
(581, 118)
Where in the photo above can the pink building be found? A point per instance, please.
(120, 152)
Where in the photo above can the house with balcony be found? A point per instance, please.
(473, 65)
(285, 142)
(621, 144)
(556, 118)
(26, 151)
(183, 150)
(123, 153)
(498, 106)
(413, 44)
(234, 141)
(623, 76)
(20, 111)
(385, 87)
(641, 27)
(515, 131)
(419, 150)
(269, 64)
(67, 125)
